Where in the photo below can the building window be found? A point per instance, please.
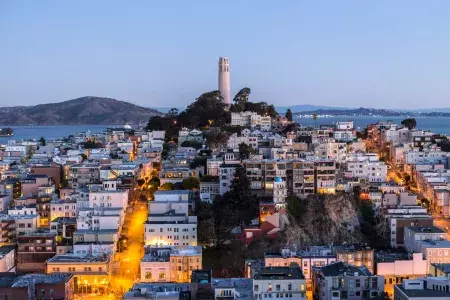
(162, 276)
(148, 275)
(255, 288)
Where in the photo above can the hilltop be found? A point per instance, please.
(84, 110)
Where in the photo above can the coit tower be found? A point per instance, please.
(224, 80)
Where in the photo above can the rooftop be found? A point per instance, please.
(424, 294)
(16, 217)
(341, 268)
(70, 258)
(173, 192)
(91, 231)
(163, 254)
(64, 220)
(352, 248)
(426, 229)
(442, 267)
(435, 244)
(5, 249)
(279, 273)
(54, 278)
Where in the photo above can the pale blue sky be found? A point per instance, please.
(385, 54)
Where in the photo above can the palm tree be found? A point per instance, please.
(315, 119)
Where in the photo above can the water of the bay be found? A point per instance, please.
(49, 132)
(437, 124)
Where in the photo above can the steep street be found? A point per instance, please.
(132, 249)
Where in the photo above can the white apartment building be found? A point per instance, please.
(405, 216)
(413, 235)
(22, 224)
(63, 208)
(169, 223)
(395, 134)
(397, 152)
(170, 196)
(331, 150)
(108, 196)
(251, 119)
(367, 166)
(170, 264)
(227, 172)
(23, 210)
(213, 166)
(435, 252)
(100, 218)
(426, 156)
(16, 150)
(209, 191)
(279, 282)
(344, 135)
(345, 125)
(153, 135)
(394, 271)
(234, 141)
(95, 249)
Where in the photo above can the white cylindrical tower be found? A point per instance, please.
(224, 80)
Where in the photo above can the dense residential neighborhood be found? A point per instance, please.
(233, 202)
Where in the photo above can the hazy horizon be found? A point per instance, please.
(379, 54)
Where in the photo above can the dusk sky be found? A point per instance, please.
(384, 54)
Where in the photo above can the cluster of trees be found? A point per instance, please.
(207, 110)
(221, 251)
(193, 144)
(241, 103)
(245, 151)
(234, 208)
(216, 138)
(92, 144)
(190, 183)
(409, 123)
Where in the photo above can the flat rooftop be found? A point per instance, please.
(74, 259)
(54, 278)
(64, 220)
(435, 244)
(279, 273)
(445, 267)
(174, 192)
(340, 268)
(424, 294)
(426, 229)
(91, 231)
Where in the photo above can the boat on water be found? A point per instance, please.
(6, 132)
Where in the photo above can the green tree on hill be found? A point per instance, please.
(241, 99)
(42, 141)
(289, 114)
(409, 123)
(245, 151)
(207, 108)
(191, 183)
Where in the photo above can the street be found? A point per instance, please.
(128, 272)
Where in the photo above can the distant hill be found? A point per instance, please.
(84, 110)
(306, 107)
(372, 112)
